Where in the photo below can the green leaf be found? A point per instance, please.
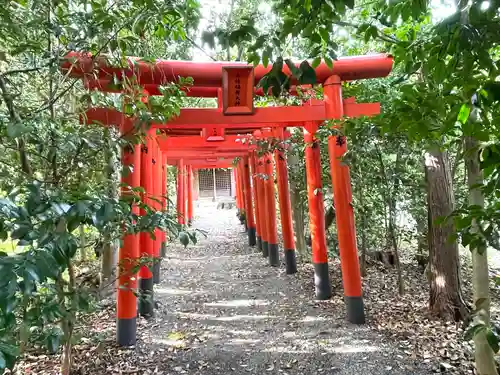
(140, 24)
(308, 74)
(463, 115)
(492, 89)
(9, 349)
(16, 129)
(3, 362)
(21, 231)
(277, 66)
(184, 239)
(293, 68)
(473, 330)
(265, 58)
(32, 272)
(315, 63)
(328, 62)
(192, 237)
(371, 32)
(73, 224)
(492, 340)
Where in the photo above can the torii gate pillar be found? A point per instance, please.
(270, 199)
(261, 192)
(257, 201)
(126, 299)
(249, 213)
(146, 304)
(342, 195)
(157, 205)
(285, 212)
(189, 187)
(180, 192)
(316, 213)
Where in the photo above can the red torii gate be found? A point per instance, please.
(238, 115)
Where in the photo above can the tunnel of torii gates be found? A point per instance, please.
(212, 138)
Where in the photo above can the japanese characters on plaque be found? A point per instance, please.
(237, 90)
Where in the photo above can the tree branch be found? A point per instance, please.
(15, 118)
(23, 71)
(201, 49)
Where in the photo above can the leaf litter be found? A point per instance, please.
(223, 310)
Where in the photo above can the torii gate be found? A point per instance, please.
(234, 85)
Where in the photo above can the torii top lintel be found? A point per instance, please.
(209, 74)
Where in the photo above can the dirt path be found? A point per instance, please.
(224, 310)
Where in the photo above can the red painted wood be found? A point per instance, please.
(342, 195)
(245, 167)
(180, 192)
(261, 191)
(205, 74)
(272, 228)
(107, 85)
(284, 201)
(190, 211)
(255, 193)
(315, 195)
(194, 154)
(237, 87)
(233, 142)
(126, 300)
(272, 116)
(262, 118)
(157, 179)
(147, 243)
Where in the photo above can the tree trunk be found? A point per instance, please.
(83, 244)
(485, 362)
(444, 263)
(329, 220)
(397, 263)
(363, 245)
(68, 324)
(389, 198)
(297, 211)
(329, 217)
(109, 247)
(362, 214)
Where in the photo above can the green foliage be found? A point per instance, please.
(53, 176)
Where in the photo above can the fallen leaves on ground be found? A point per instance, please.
(183, 326)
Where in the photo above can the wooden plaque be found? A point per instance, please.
(213, 134)
(238, 90)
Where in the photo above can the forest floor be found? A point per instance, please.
(223, 310)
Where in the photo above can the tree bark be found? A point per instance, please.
(485, 362)
(329, 220)
(392, 235)
(445, 298)
(83, 244)
(15, 118)
(297, 210)
(109, 248)
(362, 214)
(389, 197)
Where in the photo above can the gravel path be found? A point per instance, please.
(223, 310)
